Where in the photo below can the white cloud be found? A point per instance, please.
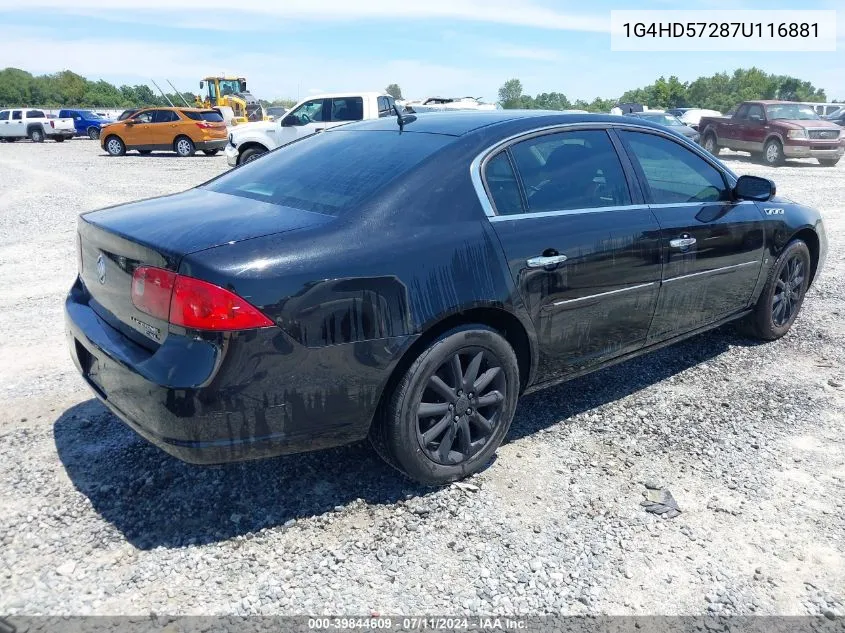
(202, 12)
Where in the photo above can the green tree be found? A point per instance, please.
(510, 94)
(394, 91)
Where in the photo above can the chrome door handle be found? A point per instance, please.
(541, 262)
(682, 242)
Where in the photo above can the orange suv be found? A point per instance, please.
(180, 130)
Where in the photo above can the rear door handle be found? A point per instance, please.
(543, 261)
(682, 242)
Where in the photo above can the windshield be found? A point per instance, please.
(662, 119)
(229, 87)
(330, 172)
(791, 111)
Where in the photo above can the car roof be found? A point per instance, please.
(465, 121)
(337, 95)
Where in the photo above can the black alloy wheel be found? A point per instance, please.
(461, 406)
(789, 290)
(450, 410)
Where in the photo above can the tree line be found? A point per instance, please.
(721, 91)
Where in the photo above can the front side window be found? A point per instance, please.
(16, 115)
(755, 112)
(306, 113)
(571, 170)
(4, 115)
(144, 117)
(502, 185)
(347, 109)
(673, 173)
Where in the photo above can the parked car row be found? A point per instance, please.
(22, 123)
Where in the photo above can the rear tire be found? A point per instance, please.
(94, 133)
(249, 155)
(59, 139)
(210, 152)
(452, 407)
(36, 135)
(183, 146)
(783, 294)
(828, 162)
(710, 144)
(115, 146)
(773, 153)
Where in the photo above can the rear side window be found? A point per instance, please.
(330, 173)
(571, 170)
(35, 114)
(192, 115)
(347, 109)
(4, 115)
(165, 116)
(673, 173)
(502, 185)
(16, 115)
(212, 116)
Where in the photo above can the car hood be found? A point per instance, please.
(804, 124)
(199, 219)
(255, 126)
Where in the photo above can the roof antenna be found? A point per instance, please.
(402, 119)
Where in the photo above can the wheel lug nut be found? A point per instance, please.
(451, 406)
(457, 418)
(460, 393)
(469, 411)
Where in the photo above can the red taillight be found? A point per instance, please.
(204, 126)
(192, 303)
(53, 124)
(151, 291)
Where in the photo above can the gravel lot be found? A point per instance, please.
(748, 438)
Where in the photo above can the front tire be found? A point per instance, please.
(36, 135)
(452, 407)
(828, 162)
(115, 146)
(250, 154)
(184, 146)
(783, 294)
(94, 133)
(773, 153)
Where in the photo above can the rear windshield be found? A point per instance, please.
(209, 115)
(330, 172)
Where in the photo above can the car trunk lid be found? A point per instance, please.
(159, 232)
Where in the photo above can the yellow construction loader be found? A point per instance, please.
(230, 92)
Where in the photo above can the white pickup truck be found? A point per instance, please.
(33, 124)
(248, 141)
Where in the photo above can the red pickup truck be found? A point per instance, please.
(775, 131)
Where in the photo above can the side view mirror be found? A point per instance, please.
(202, 85)
(289, 121)
(754, 188)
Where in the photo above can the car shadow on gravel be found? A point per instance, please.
(155, 500)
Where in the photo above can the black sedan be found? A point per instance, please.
(409, 280)
(670, 121)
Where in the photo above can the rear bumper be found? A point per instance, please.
(214, 144)
(230, 397)
(231, 155)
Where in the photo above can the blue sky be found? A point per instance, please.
(292, 48)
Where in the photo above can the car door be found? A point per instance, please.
(136, 129)
(5, 129)
(582, 247)
(308, 118)
(711, 246)
(164, 128)
(755, 130)
(17, 127)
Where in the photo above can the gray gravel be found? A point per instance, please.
(748, 438)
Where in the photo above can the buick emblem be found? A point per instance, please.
(101, 269)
